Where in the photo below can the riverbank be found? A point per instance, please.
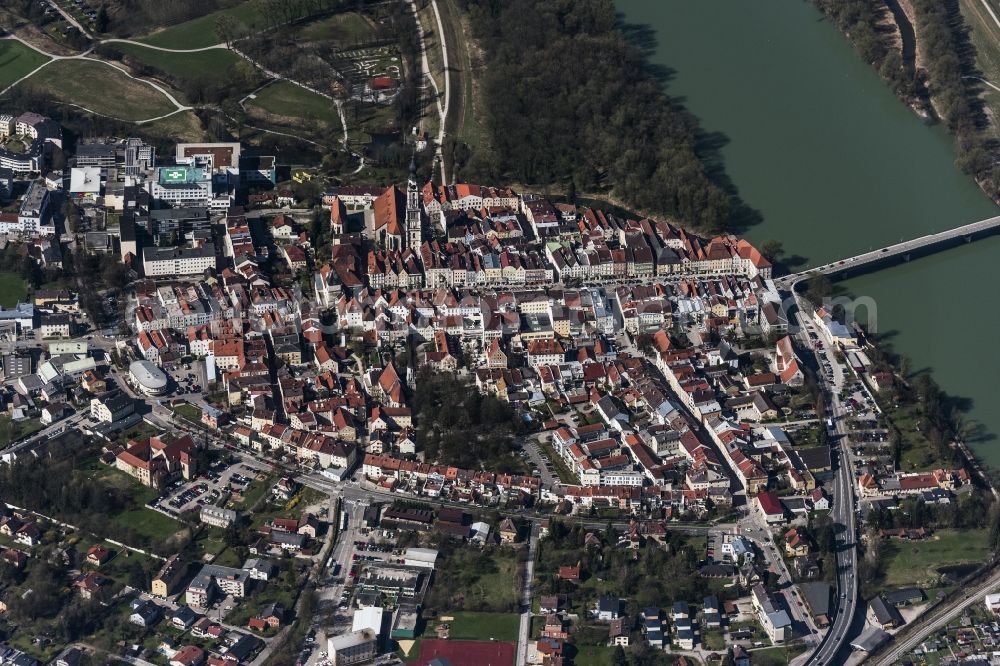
(834, 165)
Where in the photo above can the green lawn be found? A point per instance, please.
(592, 655)
(484, 626)
(200, 32)
(17, 60)
(344, 29)
(142, 520)
(102, 89)
(914, 563)
(13, 288)
(211, 66)
(11, 431)
(188, 411)
(287, 99)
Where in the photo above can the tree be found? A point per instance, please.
(818, 287)
(101, 22)
(772, 250)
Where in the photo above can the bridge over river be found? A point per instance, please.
(904, 251)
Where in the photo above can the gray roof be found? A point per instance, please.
(904, 595)
(885, 613)
(870, 639)
(817, 596)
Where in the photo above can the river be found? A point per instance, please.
(835, 164)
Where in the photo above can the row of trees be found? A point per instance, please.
(865, 22)
(948, 74)
(569, 99)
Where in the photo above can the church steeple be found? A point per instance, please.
(413, 218)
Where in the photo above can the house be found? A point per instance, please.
(571, 574)
(183, 617)
(820, 502)
(555, 627)
(549, 603)
(795, 544)
(270, 617)
(711, 617)
(883, 615)
(96, 556)
(90, 584)
(145, 613)
(189, 655)
(618, 634)
(508, 530)
(608, 608)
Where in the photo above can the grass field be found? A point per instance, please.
(592, 655)
(200, 32)
(209, 66)
(102, 89)
(484, 626)
(287, 99)
(914, 563)
(188, 411)
(183, 126)
(344, 29)
(13, 289)
(985, 37)
(16, 60)
(136, 516)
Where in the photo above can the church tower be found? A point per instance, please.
(413, 221)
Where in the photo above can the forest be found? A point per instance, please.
(570, 101)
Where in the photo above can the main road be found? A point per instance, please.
(843, 510)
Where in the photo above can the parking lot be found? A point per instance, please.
(209, 487)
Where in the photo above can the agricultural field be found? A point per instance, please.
(17, 60)
(101, 89)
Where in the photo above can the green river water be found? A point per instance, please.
(836, 165)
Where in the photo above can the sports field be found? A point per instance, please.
(466, 653)
(13, 289)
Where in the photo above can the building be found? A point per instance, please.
(56, 326)
(169, 575)
(153, 461)
(147, 378)
(182, 185)
(420, 557)
(171, 261)
(111, 406)
(352, 648)
(882, 614)
(775, 620)
(212, 578)
(217, 516)
(34, 218)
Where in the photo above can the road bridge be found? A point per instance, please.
(904, 251)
